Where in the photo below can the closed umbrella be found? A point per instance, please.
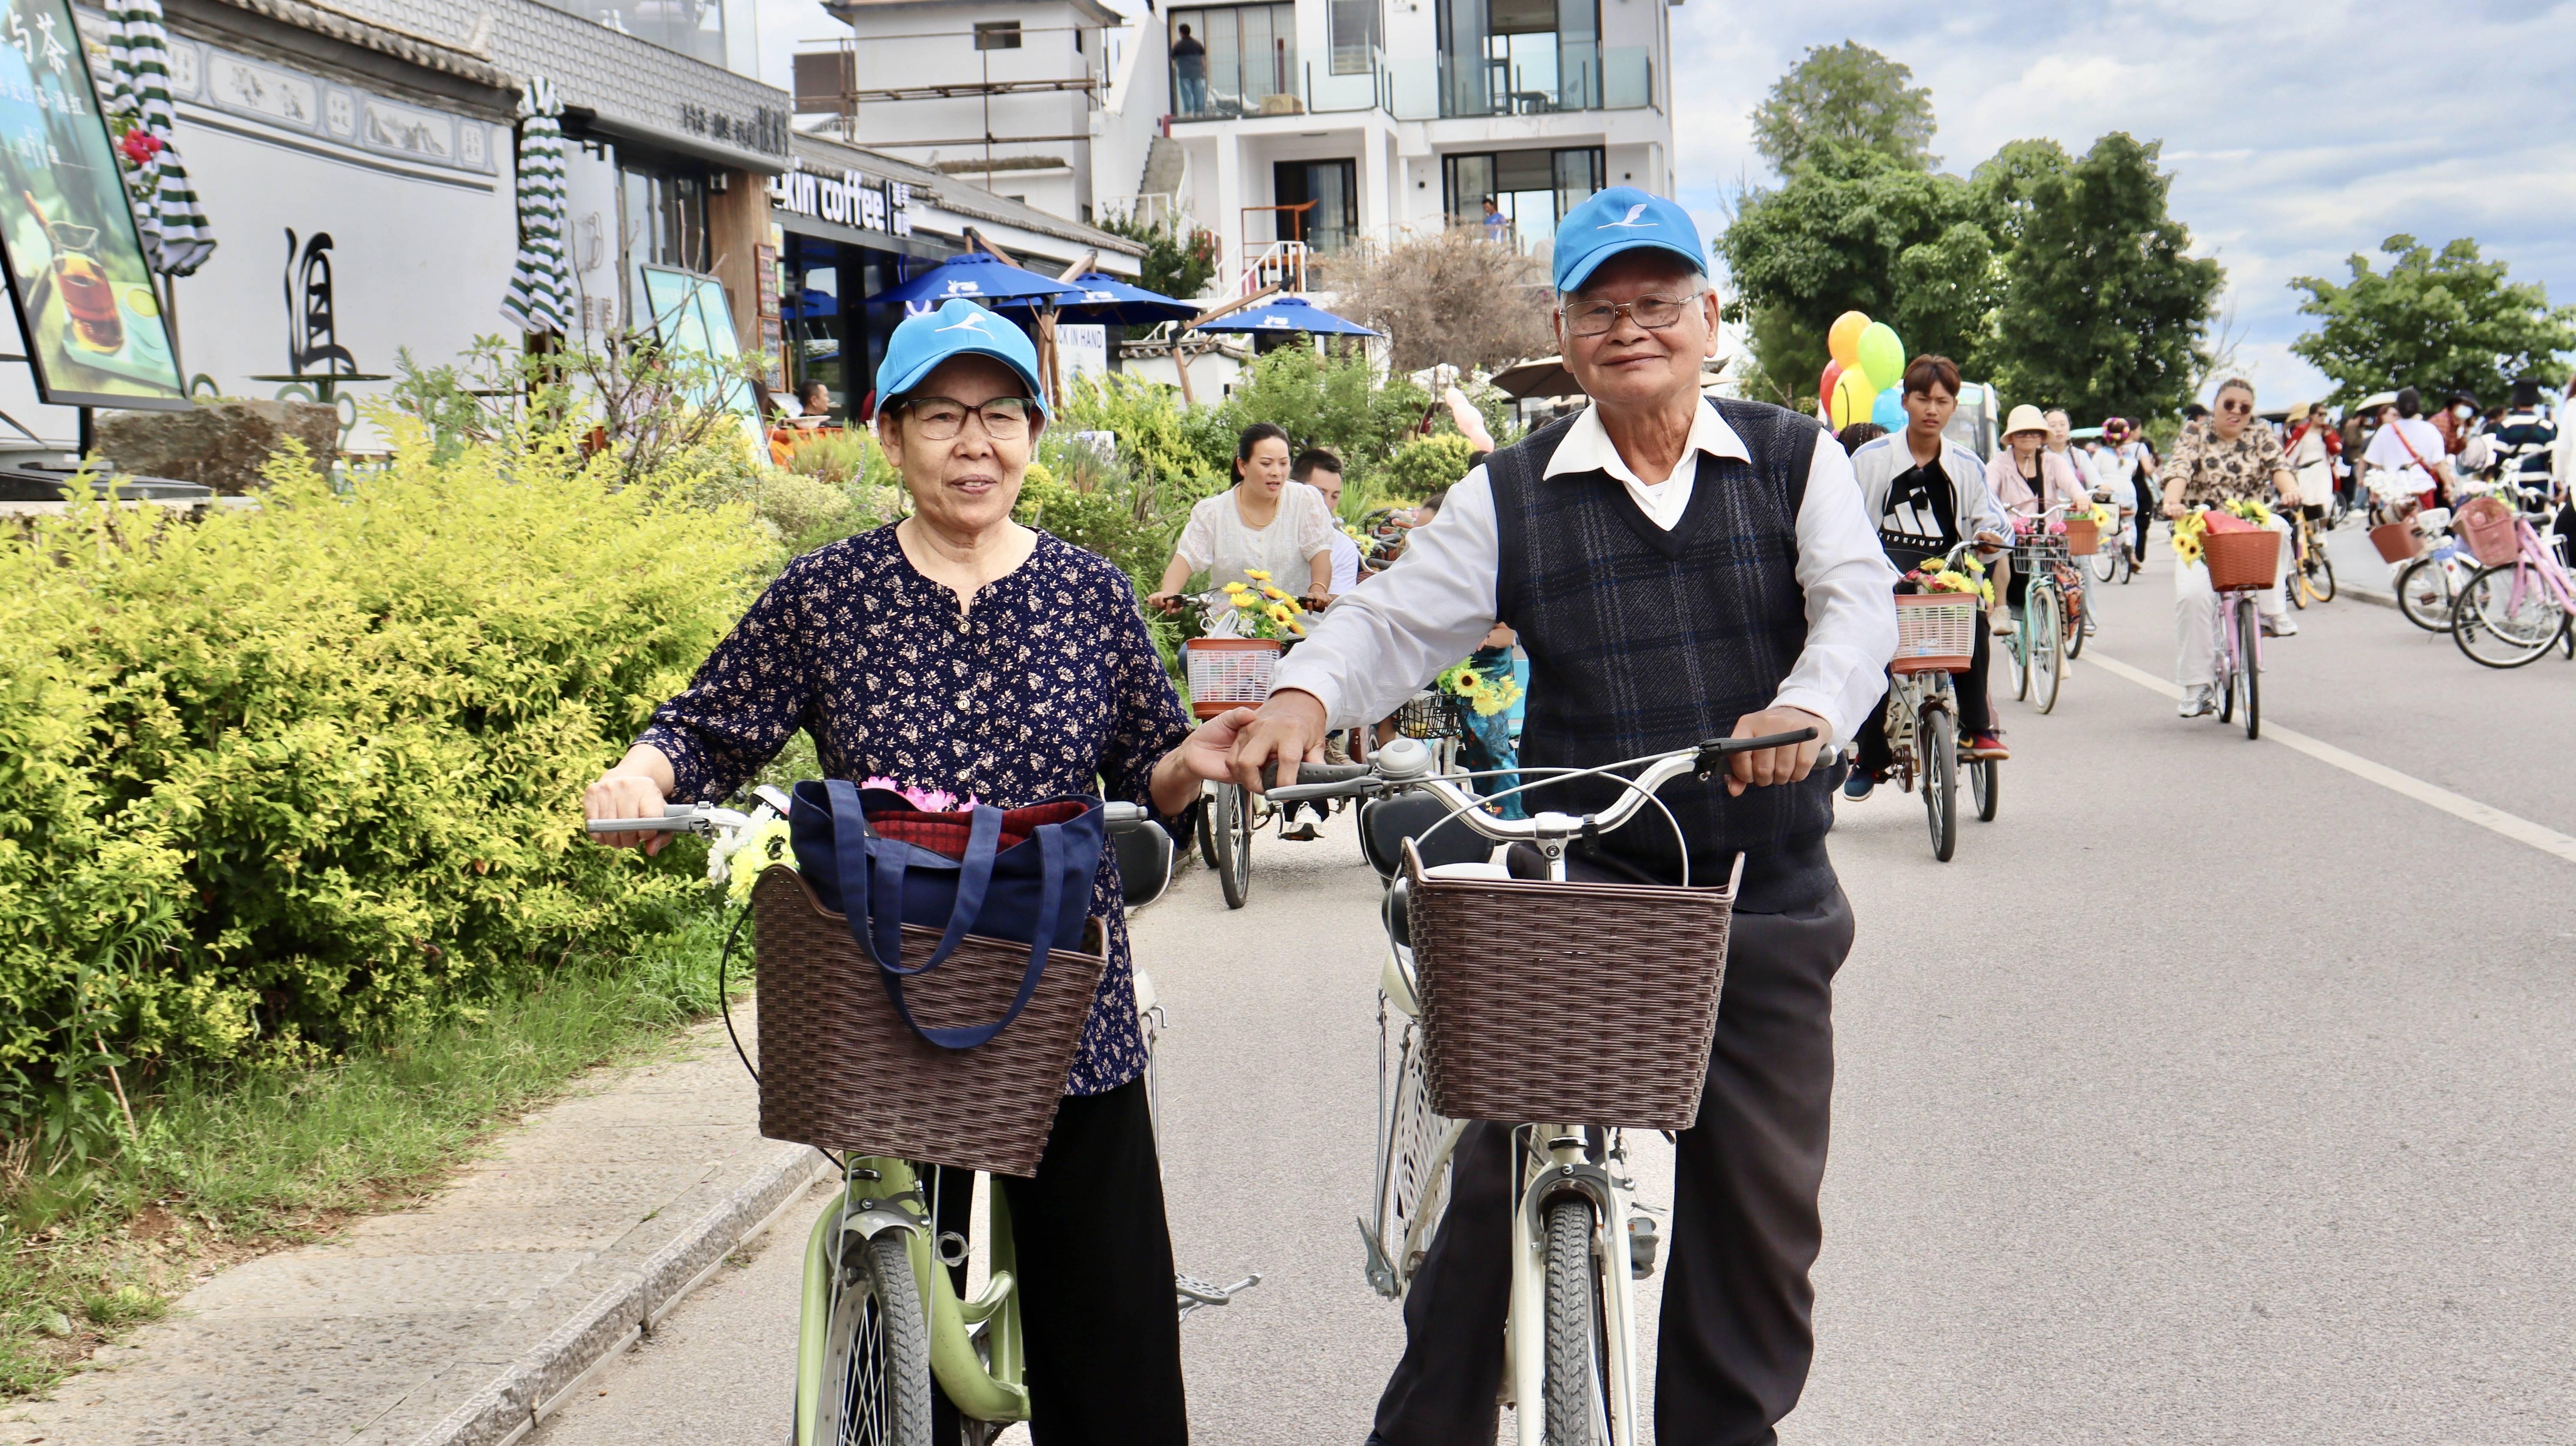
(540, 297)
(176, 237)
(1288, 313)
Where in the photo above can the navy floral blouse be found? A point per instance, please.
(1048, 685)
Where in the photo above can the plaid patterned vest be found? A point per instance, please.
(1642, 640)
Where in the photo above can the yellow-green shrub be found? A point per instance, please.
(283, 776)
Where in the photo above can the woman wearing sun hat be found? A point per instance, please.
(959, 652)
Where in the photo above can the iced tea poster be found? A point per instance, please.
(75, 264)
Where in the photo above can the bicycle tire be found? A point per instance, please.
(2424, 594)
(1574, 1325)
(2321, 575)
(1233, 844)
(2475, 619)
(2075, 625)
(876, 1352)
(1937, 742)
(2020, 644)
(2106, 563)
(2250, 666)
(2044, 622)
(1207, 831)
(1985, 784)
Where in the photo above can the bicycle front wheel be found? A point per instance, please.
(1986, 783)
(876, 1359)
(1936, 745)
(2106, 563)
(1576, 1332)
(1207, 830)
(1233, 829)
(2249, 668)
(2047, 647)
(2321, 574)
(2424, 594)
(2506, 617)
(2021, 658)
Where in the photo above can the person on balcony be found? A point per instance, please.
(1189, 75)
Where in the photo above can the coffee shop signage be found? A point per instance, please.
(848, 199)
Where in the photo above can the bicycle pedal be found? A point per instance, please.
(1644, 1243)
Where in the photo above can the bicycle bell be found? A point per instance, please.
(1403, 758)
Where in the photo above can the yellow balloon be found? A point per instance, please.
(1843, 340)
(1854, 395)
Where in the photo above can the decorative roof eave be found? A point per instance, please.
(442, 56)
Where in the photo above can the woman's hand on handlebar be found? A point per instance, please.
(1786, 764)
(635, 788)
(1164, 602)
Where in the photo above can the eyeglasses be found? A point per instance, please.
(941, 418)
(2237, 409)
(1593, 318)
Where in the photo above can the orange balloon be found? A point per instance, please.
(1843, 340)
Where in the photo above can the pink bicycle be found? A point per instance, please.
(2516, 608)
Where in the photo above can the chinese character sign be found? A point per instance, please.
(75, 265)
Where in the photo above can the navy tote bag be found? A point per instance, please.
(1024, 876)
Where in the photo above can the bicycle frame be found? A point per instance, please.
(2538, 558)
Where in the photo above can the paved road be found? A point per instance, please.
(2212, 1094)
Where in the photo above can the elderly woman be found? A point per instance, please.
(959, 651)
(2227, 459)
(1263, 523)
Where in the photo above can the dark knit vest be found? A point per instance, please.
(1642, 640)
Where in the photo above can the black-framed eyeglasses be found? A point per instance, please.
(1593, 318)
(941, 418)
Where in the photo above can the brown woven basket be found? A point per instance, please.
(1588, 1004)
(2083, 537)
(2242, 559)
(841, 1070)
(2397, 541)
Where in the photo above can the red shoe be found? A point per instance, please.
(1988, 745)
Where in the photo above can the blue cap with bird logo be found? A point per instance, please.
(1622, 218)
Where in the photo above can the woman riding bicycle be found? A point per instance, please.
(2028, 479)
(1263, 523)
(2230, 458)
(960, 652)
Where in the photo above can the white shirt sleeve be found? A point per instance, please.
(1197, 546)
(1379, 645)
(1851, 599)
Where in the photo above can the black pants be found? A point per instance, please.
(1976, 712)
(1736, 1331)
(1095, 1279)
(2150, 506)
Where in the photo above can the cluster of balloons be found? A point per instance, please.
(1859, 384)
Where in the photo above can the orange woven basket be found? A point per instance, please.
(2397, 541)
(1936, 632)
(2489, 527)
(1228, 673)
(2083, 537)
(2242, 559)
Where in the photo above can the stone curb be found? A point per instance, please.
(524, 1392)
(2370, 595)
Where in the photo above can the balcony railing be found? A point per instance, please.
(1577, 77)
(1229, 85)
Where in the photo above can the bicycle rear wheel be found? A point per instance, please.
(1207, 830)
(1985, 782)
(2424, 594)
(876, 1355)
(2506, 617)
(1233, 829)
(2042, 621)
(2249, 667)
(1936, 745)
(2321, 574)
(2020, 643)
(2106, 563)
(1576, 1331)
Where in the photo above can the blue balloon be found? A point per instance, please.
(1889, 410)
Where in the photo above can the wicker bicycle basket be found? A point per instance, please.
(2083, 537)
(2242, 559)
(2488, 524)
(2397, 541)
(1230, 673)
(1567, 1003)
(839, 1069)
(1431, 714)
(1936, 632)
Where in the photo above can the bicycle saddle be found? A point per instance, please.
(1385, 823)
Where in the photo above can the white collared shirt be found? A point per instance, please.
(1380, 645)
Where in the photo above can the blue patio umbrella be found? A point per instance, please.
(977, 276)
(1288, 313)
(1105, 298)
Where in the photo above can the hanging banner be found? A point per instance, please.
(75, 265)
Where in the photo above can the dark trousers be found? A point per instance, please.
(1736, 1329)
(1095, 1279)
(2150, 507)
(1976, 712)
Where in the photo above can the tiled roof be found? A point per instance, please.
(445, 57)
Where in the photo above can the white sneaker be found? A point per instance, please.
(2198, 701)
(2281, 626)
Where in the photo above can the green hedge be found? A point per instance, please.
(281, 777)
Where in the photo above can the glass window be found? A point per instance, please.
(663, 223)
(1226, 59)
(1354, 35)
(1333, 222)
(1531, 191)
(1519, 57)
(691, 27)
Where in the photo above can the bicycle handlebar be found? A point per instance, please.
(701, 819)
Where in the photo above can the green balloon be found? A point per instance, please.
(1881, 354)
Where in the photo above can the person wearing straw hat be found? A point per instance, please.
(1675, 568)
(957, 652)
(2028, 479)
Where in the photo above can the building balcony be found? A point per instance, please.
(1286, 82)
(1231, 85)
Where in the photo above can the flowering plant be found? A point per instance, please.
(2100, 516)
(2024, 526)
(2250, 509)
(928, 800)
(1262, 610)
(135, 146)
(1489, 695)
(738, 867)
(2186, 536)
(1936, 576)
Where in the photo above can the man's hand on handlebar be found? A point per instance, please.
(1786, 764)
(1288, 730)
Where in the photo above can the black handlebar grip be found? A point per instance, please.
(1315, 773)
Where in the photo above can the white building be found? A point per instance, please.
(1314, 123)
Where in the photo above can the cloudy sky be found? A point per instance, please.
(2298, 131)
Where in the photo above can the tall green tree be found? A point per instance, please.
(2103, 309)
(1855, 227)
(2440, 322)
(1848, 95)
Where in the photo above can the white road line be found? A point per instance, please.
(2496, 820)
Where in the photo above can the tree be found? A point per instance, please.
(1856, 228)
(1174, 264)
(1452, 297)
(1847, 95)
(2103, 309)
(2441, 323)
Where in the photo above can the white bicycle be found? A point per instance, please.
(1579, 1239)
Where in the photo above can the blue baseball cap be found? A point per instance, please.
(958, 328)
(1622, 218)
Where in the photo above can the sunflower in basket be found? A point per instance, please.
(2250, 509)
(2186, 536)
(1488, 696)
(1265, 611)
(1969, 577)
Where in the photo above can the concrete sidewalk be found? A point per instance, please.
(461, 1323)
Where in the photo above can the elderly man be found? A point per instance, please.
(1677, 569)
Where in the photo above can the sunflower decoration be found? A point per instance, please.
(1968, 577)
(740, 866)
(2186, 536)
(1263, 610)
(1488, 696)
(2250, 509)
